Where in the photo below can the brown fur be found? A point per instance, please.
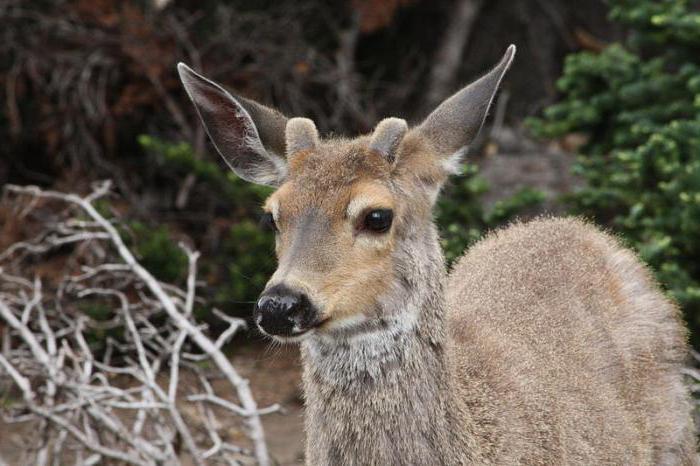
(547, 344)
(552, 344)
(579, 349)
(328, 178)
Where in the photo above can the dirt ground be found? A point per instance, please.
(274, 373)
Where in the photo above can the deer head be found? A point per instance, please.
(350, 215)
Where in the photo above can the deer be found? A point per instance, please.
(547, 343)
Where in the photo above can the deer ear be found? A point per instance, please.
(300, 135)
(387, 136)
(249, 136)
(454, 124)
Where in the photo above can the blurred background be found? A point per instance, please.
(599, 116)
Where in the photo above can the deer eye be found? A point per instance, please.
(268, 221)
(378, 220)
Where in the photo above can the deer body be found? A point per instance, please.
(552, 345)
(547, 344)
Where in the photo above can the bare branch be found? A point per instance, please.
(69, 385)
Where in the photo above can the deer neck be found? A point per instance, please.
(384, 395)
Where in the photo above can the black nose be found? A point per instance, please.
(284, 312)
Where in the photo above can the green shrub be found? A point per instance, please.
(158, 252)
(248, 255)
(179, 156)
(244, 260)
(639, 104)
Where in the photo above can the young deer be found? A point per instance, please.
(547, 344)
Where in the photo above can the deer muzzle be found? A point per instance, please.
(284, 312)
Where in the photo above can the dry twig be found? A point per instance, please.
(110, 397)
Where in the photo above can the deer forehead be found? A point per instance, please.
(343, 201)
(340, 178)
(337, 162)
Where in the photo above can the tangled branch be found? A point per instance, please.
(110, 362)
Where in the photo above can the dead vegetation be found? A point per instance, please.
(107, 361)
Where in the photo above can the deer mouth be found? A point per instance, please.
(296, 333)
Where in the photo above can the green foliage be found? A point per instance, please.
(96, 310)
(101, 312)
(462, 217)
(249, 258)
(639, 104)
(181, 158)
(244, 260)
(158, 252)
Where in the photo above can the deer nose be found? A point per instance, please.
(281, 311)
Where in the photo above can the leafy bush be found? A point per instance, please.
(181, 158)
(639, 104)
(158, 252)
(248, 253)
(243, 260)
